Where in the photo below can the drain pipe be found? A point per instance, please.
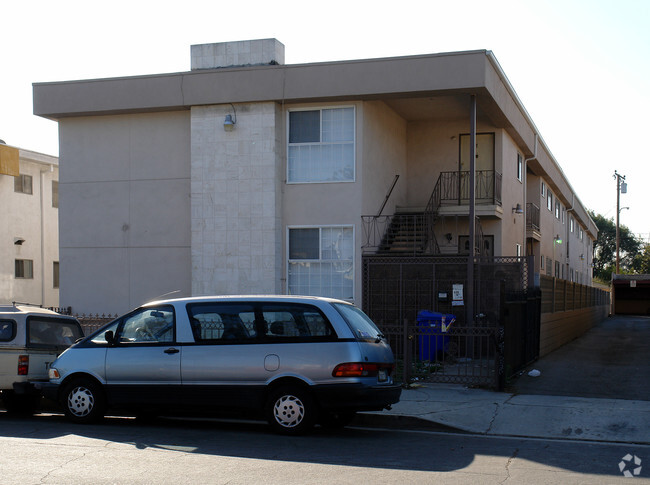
(531, 274)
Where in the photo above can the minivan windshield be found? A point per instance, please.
(358, 321)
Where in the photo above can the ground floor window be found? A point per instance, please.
(321, 261)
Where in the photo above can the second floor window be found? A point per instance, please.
(321, 146)
(23, 184)
(24, 268)
(55, 193)
(520, 167)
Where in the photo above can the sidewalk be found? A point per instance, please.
(503, 414)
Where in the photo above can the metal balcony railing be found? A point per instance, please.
(532, 217)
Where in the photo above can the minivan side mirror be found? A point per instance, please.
(110, 338)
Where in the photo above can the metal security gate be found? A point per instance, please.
(484, 352)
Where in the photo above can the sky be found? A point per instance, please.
(580, 68)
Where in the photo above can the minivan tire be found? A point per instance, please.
(83, 401)
(291, 410)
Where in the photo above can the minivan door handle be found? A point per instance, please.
(172, 351)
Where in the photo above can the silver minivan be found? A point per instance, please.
(296, 361)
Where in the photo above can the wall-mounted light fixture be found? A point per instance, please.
(557, 239)
(582, 257)
(18, 241)
(448, 236)
(230, 122)
(517, 209)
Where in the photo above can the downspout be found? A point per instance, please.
(42, 187)
(525, 181)
(568, 242)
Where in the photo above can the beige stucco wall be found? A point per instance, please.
(124, 210)
(30, 217)
(559, 328)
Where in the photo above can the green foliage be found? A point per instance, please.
(630, 260)
(641, 263)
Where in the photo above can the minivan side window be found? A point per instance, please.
(7, 330)
(297, 322)
(148, 325)
(222, 322)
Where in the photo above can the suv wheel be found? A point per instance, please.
(83, 401)
(291, 410)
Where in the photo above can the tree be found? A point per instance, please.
(641, 262)
(605, 248)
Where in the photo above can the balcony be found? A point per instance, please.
(532, 222)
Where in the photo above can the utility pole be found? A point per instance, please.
(621, 186)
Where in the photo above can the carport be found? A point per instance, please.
(631, 294)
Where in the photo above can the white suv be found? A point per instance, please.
(30, 339)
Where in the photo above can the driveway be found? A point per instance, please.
(612, 360)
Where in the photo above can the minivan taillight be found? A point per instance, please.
(23, 365)
(359, 369)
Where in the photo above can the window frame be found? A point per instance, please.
(289, 261)
(31, 267)
(55, 274)
(549, 200)
(320, 109)
(520, 167)
(23, 178)
(55, 194)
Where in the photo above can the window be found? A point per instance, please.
(520, 167)
(148, 325)
(24, 268)
(563, 214)
(549, 200)
(288, 321)
(519, 250)
(557, 209)
(549, 266)
(541, 263)
(214, 322)
(55, 193)
(571, 224)
(321, 146)
(55, 274)
(580, 233)
(52, 332)
(321, 262)
(543, 189)
(23, 184)
(7, 330)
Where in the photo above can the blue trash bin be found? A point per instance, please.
(433, 337)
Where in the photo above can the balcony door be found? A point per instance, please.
(484, 167)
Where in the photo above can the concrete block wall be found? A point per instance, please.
(235, 200)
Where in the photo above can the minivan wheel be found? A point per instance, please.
(83, 401)
(291, 411)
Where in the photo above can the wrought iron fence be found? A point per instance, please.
(432, 351)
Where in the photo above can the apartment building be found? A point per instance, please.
(29, 234)
(246, 175)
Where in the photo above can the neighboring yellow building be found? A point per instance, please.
(29, 227)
